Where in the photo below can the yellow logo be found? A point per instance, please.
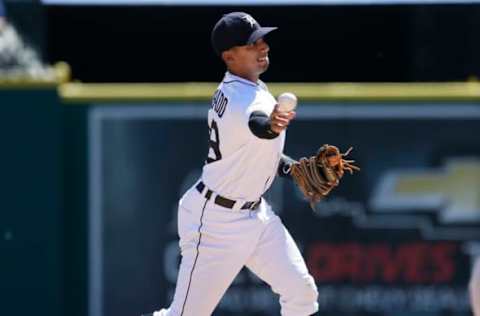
(453, 191)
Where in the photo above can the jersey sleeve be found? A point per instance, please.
(257, 106)
(246, 101)
(236, 119)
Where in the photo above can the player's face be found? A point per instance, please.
(249, 61)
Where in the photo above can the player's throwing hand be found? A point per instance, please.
(279, 120)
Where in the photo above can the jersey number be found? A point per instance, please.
(214, 143)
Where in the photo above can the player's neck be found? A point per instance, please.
(249, 77)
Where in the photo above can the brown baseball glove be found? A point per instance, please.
(318, 175)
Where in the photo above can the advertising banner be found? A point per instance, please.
(398, 238)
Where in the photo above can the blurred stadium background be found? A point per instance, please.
(103, 108)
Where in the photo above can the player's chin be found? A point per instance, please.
(263, 66)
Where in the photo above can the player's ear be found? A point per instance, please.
(227, 56)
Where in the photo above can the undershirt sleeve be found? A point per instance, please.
(259, 124)
(285, 166)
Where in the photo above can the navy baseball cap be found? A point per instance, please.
(237, 29)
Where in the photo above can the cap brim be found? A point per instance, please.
(261, 32)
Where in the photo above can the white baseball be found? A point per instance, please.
(287, 102)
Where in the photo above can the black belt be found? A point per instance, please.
(222, 201)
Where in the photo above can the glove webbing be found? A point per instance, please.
(315, 182)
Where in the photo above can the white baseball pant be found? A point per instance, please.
(217, 242)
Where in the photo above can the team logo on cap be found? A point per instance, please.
(249, 20)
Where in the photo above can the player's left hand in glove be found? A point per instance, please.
(316, 176)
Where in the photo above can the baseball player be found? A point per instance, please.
(474, 287)
(224, 223)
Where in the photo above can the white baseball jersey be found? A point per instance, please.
(240, 166)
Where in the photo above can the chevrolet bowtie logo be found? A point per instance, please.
(454, 191)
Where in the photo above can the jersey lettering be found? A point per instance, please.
(219, 103)
(214, 143)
